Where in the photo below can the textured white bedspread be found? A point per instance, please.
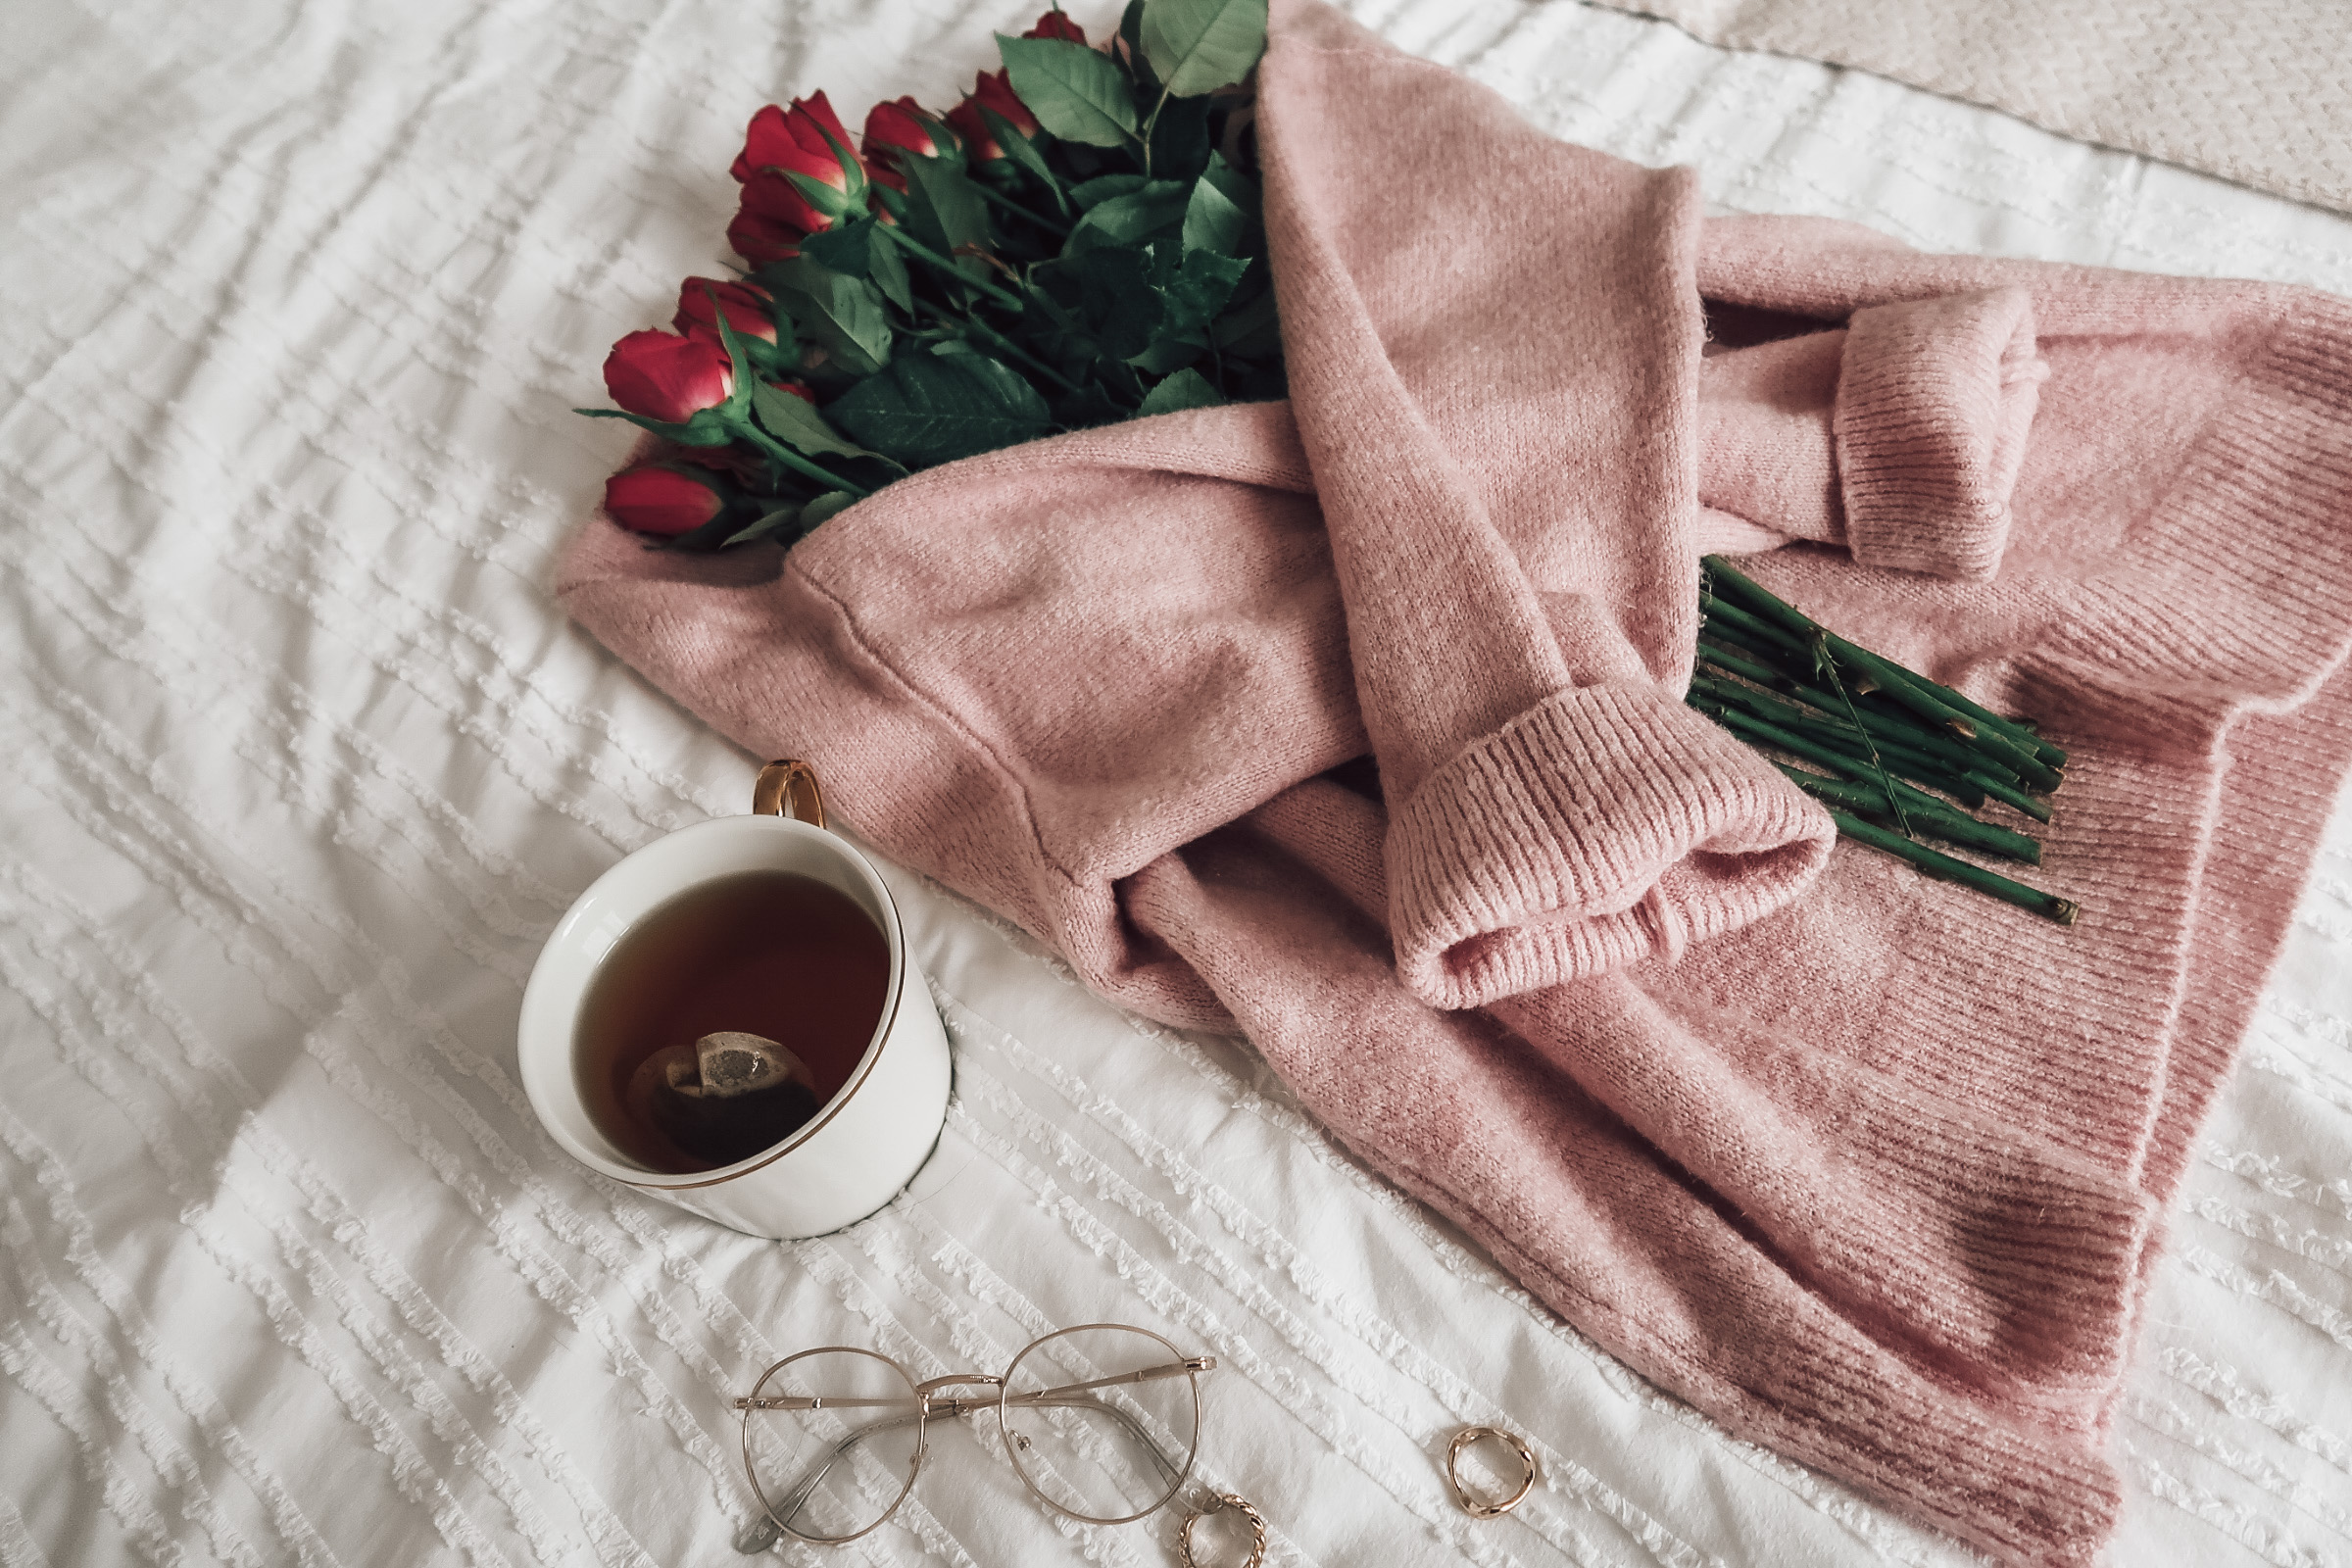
(300, 763)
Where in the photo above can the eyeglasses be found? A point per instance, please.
(1100, 1422)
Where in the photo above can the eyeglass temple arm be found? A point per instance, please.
(962, 1403)
(1149, 1374)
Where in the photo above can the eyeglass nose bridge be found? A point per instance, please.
(925, 1389)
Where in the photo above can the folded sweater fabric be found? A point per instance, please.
(1867, 1167)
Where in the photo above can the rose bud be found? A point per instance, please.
(1056, 24)
(806, 141)
(660, 375)
(760, 240)
(797, 390)
(745, 305)
(993, 92)
(665, 500)
(905, 127)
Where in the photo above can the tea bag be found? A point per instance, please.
(725, 1097)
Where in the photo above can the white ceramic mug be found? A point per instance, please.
(863, 1143)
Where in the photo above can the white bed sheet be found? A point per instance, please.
(301, 765)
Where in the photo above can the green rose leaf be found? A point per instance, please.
(1095, 193)
(766, 527)
(825, 505)
(888, 269)
(842, 314)
(1180, 147)
(1212, 223)
(1025, 152)
(843, 247)
(1132, 219)
(1235, 187)
(930, 407)
(1201, 284)
(795, 421)
(1197, 46)
(944, 209)
(1075, 94)
(1186, 389)
(1131, 34)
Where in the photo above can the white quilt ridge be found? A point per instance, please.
(302, 764)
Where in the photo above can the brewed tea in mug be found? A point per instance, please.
(768, 953)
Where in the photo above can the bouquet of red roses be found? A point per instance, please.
(1074, 244)
(1078, 242)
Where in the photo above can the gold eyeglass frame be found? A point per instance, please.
(927, 1404)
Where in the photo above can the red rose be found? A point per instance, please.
(905, 127)
(660, 375)
(993, 92)
(760, 240)
(746, 306)
(1056, 24)
(796, 389)
(664, 501)
(808, 141)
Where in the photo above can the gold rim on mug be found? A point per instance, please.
(1478, 1507)
(894, 1406)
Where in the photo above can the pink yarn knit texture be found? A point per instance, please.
(1864, 1166)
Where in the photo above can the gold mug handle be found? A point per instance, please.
(783, 785)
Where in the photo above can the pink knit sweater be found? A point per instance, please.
(1866, 1167)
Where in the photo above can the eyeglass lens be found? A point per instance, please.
(1101, 1421)
(835, 1468)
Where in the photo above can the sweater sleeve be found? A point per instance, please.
(1899, 435)
(1511, 508)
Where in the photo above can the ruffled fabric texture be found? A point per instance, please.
(1354, 723)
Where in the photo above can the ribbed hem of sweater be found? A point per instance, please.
(1935, 399)
(2025, 1495)
(2230, 610)
(1605, 824)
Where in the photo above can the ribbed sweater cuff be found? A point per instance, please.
(1935, 400)
(1602, 825)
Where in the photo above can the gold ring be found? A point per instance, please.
(782, 787)
(1223, 1501)
(1473, 1505)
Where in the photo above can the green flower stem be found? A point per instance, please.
(1780, 630)
(1956, 755)
(2015, 735)
(925, 254)
(2008, 793)
(1942, 866)
(1837, 745)
(1853, 715)
(1897, 685)
(1968, 785)
(1932, 758)
(1151, 122)
(1812, 747)
(1005, 203)
(794, 460)
(1719, 610)
(1951, 827)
